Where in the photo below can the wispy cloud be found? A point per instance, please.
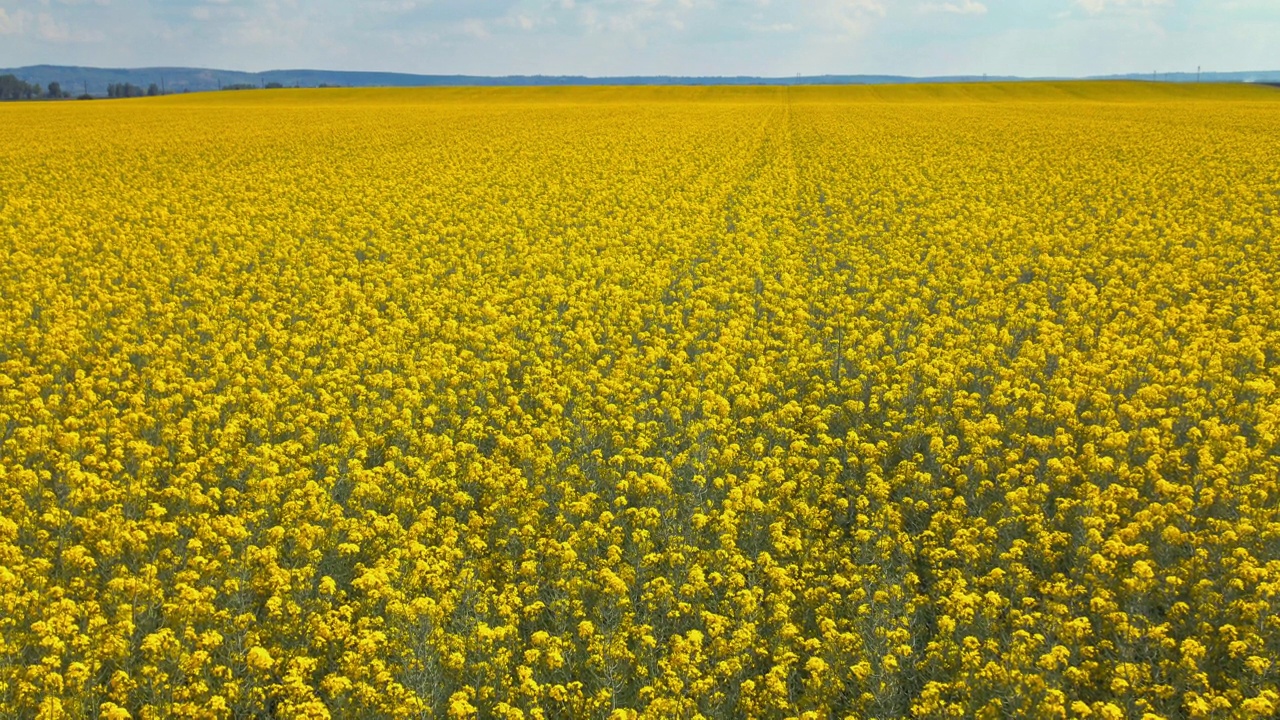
(1095, 7)
(964, 7)
(15, 23)
(45, 27)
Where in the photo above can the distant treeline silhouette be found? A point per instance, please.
(251, 86)
(14, 88)
(11, 88)
(128, 90)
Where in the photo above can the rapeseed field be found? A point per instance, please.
(952, 401)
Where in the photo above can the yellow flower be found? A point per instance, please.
(259, 659)
(1110, 711)
(112, 711)
(460, 705)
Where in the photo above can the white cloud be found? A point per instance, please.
(50, 29)
(44, 27)
(1094, 7)
(391, 6)
(853, 17)
(14, 24)
(964, 7)
(475, 28)
(635, 19)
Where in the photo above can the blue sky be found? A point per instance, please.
(676, 37)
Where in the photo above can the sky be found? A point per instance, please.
(773, 38)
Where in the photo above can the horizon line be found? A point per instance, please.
(136, 68)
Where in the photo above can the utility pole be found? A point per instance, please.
(86, 87)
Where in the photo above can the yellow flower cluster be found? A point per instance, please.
(865, 402)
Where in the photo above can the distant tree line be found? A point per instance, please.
(250, 86)
(128, 90)
(11, 88)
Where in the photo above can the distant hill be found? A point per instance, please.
(182, 79)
